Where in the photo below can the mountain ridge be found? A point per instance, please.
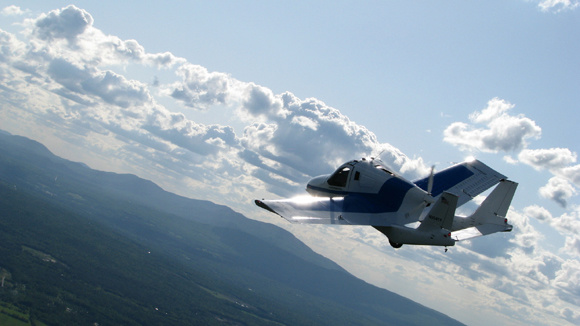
(253, 269)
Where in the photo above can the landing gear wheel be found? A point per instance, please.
(395, 245)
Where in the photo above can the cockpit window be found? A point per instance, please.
(340, 177)
(380, 167)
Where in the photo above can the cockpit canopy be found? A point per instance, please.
(340, 177)
(366, 175)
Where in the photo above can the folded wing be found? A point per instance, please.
(465, 180)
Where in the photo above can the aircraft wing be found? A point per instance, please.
(348, 210)
(465, 180)
(308, 210)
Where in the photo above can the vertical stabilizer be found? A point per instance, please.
(442, 214)
(490, 217)
(495, 206)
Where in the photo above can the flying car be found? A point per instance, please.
(420, 212)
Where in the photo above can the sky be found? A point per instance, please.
(233, 101)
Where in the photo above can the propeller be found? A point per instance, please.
(428, 200)
(430, 182)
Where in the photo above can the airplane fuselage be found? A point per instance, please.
(420, 212)
(370, 187)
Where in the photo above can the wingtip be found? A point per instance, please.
(261, 204)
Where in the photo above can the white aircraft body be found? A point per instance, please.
(420, 212)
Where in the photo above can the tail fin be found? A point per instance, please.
(442, 214)
(490, 217)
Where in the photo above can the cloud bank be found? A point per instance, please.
(292, 138)
(64, 74)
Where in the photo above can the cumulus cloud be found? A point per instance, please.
(107, 85)
(571, 173)
(526, 236)
(10, 47)
(198, 138)
(67, 67)
(302, 135)
(494, 130)
(294, 138)
(558, 5)
(314, 138)
(559, 190)
(67, 24)
(572, 245)
(498, 130)
(552, 158)
(12, 11)
(558, 161)
(568, 281)
(199, 88)
(568, 224)
(538, 212)
(69, 33)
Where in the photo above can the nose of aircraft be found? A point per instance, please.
(316, 184)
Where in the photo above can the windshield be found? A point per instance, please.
(340, 177)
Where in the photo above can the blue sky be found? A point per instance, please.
(230, 101)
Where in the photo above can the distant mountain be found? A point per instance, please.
(79, 246)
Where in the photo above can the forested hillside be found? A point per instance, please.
(79, 246)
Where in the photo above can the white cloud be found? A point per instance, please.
(107, 85)
(553, 158)
(69, 34)
(507, 133)
(538, 212)
(568, 224)
(572, 245)
(10, 47)
(13, 11)
(559, 190)
(526, 237)
(69, 57)
(66, 77)
(501, 131)
(571, 173)
(568, 281)
(200, 89)
(558, 5)
(67, 23)
(557, 161)
(260, 102)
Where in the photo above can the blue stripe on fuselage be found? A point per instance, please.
(389, 199)
(445, 179)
